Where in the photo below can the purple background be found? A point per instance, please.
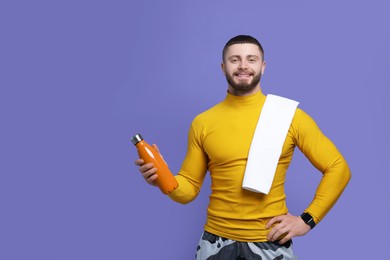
(78, 78)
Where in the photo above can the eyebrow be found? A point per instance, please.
(248, 56)
(252, 56)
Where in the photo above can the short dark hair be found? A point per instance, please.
(240, 39)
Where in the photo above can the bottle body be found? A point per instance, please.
(165, 179)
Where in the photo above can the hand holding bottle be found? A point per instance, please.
(153, 166)
(147, 170)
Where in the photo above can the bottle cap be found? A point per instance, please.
(136, 139)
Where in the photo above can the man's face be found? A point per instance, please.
(243, 66)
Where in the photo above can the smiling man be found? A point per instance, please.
(243, 223)
(243, 65)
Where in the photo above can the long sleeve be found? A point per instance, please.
(193, 170)
(324, 155)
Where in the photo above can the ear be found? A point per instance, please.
(223, 68)
(263, 68)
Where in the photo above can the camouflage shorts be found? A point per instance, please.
(212, 247)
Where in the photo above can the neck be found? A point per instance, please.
(236, 92)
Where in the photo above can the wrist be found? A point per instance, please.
(308, 219)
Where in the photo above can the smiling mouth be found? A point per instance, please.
(242, 75)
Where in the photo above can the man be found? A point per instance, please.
(242, 224)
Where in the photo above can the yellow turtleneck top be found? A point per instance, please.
(219, 141)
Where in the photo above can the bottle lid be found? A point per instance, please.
(136, 139)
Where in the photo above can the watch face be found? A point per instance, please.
(308, 219)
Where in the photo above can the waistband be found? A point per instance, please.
(213, 238)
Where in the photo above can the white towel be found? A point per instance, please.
(267, 143)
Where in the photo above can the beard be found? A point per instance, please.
(243, 87)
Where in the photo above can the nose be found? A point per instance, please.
(243, 65)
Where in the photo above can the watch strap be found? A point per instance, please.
(308, 219)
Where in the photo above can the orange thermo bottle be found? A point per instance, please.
(165, 179)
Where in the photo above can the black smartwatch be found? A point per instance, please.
(308, 219)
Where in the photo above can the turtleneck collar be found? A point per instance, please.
(245, 101)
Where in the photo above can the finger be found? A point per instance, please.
(151, 176)
(286, 238)
(155, 147)
(146, 167)
(273, 221)
(152, 179)
(272, 234)
(139, 162)
(149, 173)
(279, 233)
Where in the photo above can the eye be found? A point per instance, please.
(252, 59)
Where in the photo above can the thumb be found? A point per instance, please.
(156, 148)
